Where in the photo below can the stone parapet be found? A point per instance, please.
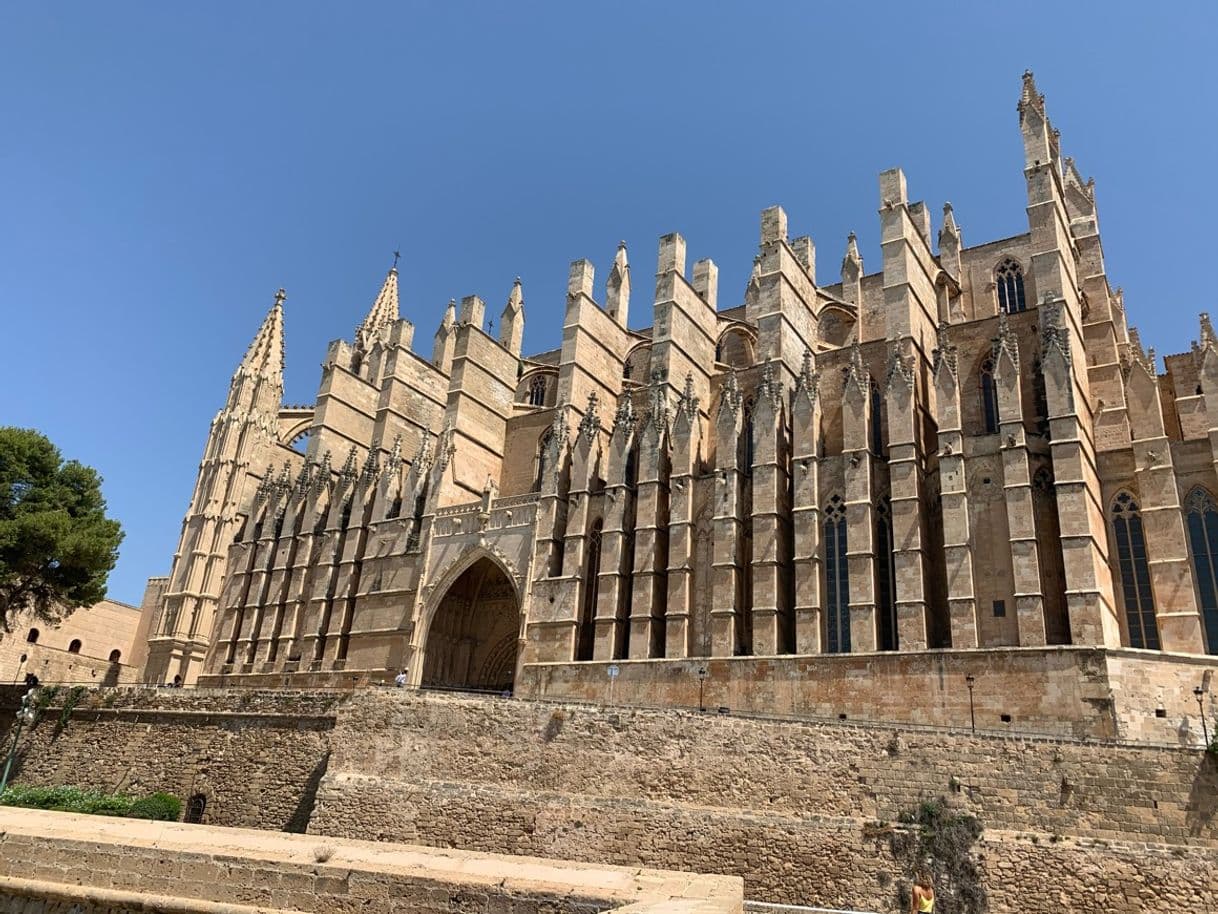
(1093, 693)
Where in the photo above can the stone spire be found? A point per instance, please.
(1029, 97)
(945, 356)
(617, 287)
(511, 321)
(384, 312)
(852, 271)
(731, 399)
(590, 423)
(264, 358)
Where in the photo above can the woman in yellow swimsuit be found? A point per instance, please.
(922, 898)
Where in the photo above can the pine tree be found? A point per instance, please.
(57, 547)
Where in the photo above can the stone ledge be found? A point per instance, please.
(366, 870)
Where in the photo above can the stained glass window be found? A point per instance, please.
(1202, 516)
(1008, 277)
(837, 579)
(1135, 572)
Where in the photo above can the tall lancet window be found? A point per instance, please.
(1008, 278)
(537, 391)
(837, 579)
(543, 458)
(585, 642)
(1202, 516)
(885, 577)
(1135, 572)
(989, 398)
(876, 415)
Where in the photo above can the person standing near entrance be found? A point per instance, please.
(400, 679)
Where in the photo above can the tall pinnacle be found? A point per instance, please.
(265, 354)
(384, 310)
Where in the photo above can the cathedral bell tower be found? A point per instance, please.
(238, 451)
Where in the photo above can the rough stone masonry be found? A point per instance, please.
(801, 810)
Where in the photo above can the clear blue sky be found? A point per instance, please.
(164, 167)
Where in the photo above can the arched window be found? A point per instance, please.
(1202, 516)
(1135, 573)
(115, 655)
(544, 444)
(32, 637)
(750, 447)
(877, 428)
(837, 579)
(885, 577)
(1040, 398)
(989, 398)
(537, 391)
(1008, 277)
(586, 642)
(196, 808)
(74, 647)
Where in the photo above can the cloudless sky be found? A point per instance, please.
(164, 167)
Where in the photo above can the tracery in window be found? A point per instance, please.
(1008, 278)
(837, 579)
(1135, 572)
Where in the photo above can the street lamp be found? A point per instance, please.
(702, 674)
(25, 715)
(970, 680)
(1199, 693)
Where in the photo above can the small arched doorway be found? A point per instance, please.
(471, 642)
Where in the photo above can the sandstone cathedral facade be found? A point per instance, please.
(964, 455)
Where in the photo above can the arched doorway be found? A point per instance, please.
(471, 642)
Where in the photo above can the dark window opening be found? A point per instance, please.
(1135, 573)
(885, 577)
(32, 637)
(1000, 608)
(196, 806)
(989, 398)
(1202, 518)
(585, 645)
(115, 655)
(1008, 277)
(837, 580)
(74, 647)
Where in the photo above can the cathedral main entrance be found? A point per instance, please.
(471, 643)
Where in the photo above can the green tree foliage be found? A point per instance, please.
(57, 546)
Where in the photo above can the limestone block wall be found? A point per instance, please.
(803, 811)
(1052, 691)
(256, 756)
(55, 861)
(794, 808)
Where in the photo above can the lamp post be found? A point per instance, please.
(969, 680)
(1199, 693)
(25, 715)
(702, 674)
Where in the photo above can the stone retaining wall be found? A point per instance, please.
(1098, 693)
(49, 861)
(799, 809)
(257, 757)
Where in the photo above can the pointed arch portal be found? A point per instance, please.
(471, 641)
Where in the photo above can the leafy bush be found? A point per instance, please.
(941, 840)
(163, 807)
(160, 806)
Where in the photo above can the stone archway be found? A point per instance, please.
(472, 638)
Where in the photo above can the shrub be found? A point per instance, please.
(93, 802)
(943, 841)
(161, 806)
